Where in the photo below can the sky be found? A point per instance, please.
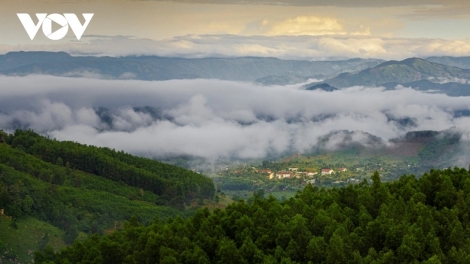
(298, 29)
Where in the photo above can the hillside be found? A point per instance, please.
(69, 191)
(449, 88)
(270, 71)
(406, 72)
(322, 86)
(359, 153)
(460, 62)
(411, 220)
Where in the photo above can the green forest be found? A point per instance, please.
(73, 190)
(422, 219)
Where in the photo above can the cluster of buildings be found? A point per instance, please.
(294, 172)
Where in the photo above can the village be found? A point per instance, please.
(285, 176)
(308, 176)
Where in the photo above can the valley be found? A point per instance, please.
(414, 154)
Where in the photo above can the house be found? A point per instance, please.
(311, 174)
(312, 182)
(293, 169)
(327, 171)
(342, 169)
(265, 171)
(283, 174)
(353, 180)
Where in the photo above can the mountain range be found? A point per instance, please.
(448, 75)
(416, 73)
(268, 71)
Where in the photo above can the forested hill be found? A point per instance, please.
(172, 184)
(270, 71)
(72, 190)
(411, 220)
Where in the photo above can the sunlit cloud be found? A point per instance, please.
(305, 25)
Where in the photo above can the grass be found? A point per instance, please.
(30, 234)
(224, 201)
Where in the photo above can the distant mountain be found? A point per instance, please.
(428, 148)
(321, 86)
(460, 62)
(282, 79)
(14, 60)
(270, 71)
(450, 88)
(416, 73)
(343, 139)
(409, 70)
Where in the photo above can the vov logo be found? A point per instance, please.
(46, 20)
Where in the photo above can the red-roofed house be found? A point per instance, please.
(342, 169)
(327, 171)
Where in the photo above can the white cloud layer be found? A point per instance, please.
(216, 119)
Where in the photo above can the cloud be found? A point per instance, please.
(305, 25)
(284, 47)
(218, 119)
(419, 9)
(337, 3)
(453, 9)
(309, 25)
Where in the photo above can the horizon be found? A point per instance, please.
(214, 57)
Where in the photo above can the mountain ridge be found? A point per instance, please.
(269, 71)
(408, 70)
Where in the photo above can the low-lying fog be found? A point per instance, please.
(216, 119)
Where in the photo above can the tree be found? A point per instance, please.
(71, 234)
(336, 250)
(27, 204)
(227, 252)
(250, 252)
(446, 195)
(59, 162)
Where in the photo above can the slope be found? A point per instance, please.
(79, 190)
(263, 70)
(409, 70)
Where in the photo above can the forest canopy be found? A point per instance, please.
(411, 220)
(86, 189)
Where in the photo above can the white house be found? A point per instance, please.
(327, 171)
(283, 174)
(312, 181)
